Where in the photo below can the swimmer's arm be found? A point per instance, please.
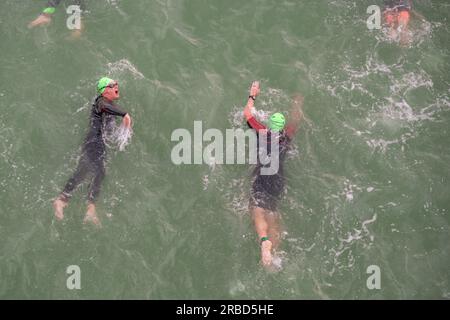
(254, 91)
(126, 121)
(252, 122)
(248, 109)
(112, 109)
(115, 110)
(296, 116)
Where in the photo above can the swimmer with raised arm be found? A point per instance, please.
(267, 189)
(92, 161)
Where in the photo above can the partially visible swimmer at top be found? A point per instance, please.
(45, 17)
(397, 14)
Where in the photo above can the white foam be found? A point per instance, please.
(205, 181)
(277, 262)
(124, 65)
(417, 35)
(122, 136)
(381, 144)
(401, 110)
(115, 4)
(237, 287)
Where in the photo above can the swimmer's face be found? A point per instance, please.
(112, 91)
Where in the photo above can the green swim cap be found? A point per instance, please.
(49, 10)
(103, 83)
(277, 122)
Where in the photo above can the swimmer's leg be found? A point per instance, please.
(403, 21)
(262, 229)
(390, 18)
(62, 200)
(94, 191)
(274, 231)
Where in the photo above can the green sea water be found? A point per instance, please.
(368, 180)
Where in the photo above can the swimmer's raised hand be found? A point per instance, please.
(127, 121)
(43, 19)
(254, 89)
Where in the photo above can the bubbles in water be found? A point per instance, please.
(403, 111)
(236, 116)
(417, 34)
(115, 5)
(278, 260)
(446, 295)
(124, 65)
(205, 181)
(122, 137)
(236, 288)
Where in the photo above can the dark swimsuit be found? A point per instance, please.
(55, 3)
(397, 5)
(93, 155)
(268, 189)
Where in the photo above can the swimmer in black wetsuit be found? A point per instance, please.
(46, 15)
(93, 151)
(267, 189)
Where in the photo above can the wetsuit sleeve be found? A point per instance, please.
(255, 124)
(251, 121)
(112, 109)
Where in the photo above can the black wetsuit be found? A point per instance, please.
(55, 3)
(94, 149)
(397, 5)
(268, 189)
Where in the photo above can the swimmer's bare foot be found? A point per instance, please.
(91, 215)
(59, 205)
(266, 253)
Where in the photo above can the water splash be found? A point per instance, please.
(418, 34)
(115, 5)
(124, 65)
(122, 137)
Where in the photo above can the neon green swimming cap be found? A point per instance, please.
(277, 122)
(103, 83)
(49, 10)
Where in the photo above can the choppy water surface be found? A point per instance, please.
(368, 178)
